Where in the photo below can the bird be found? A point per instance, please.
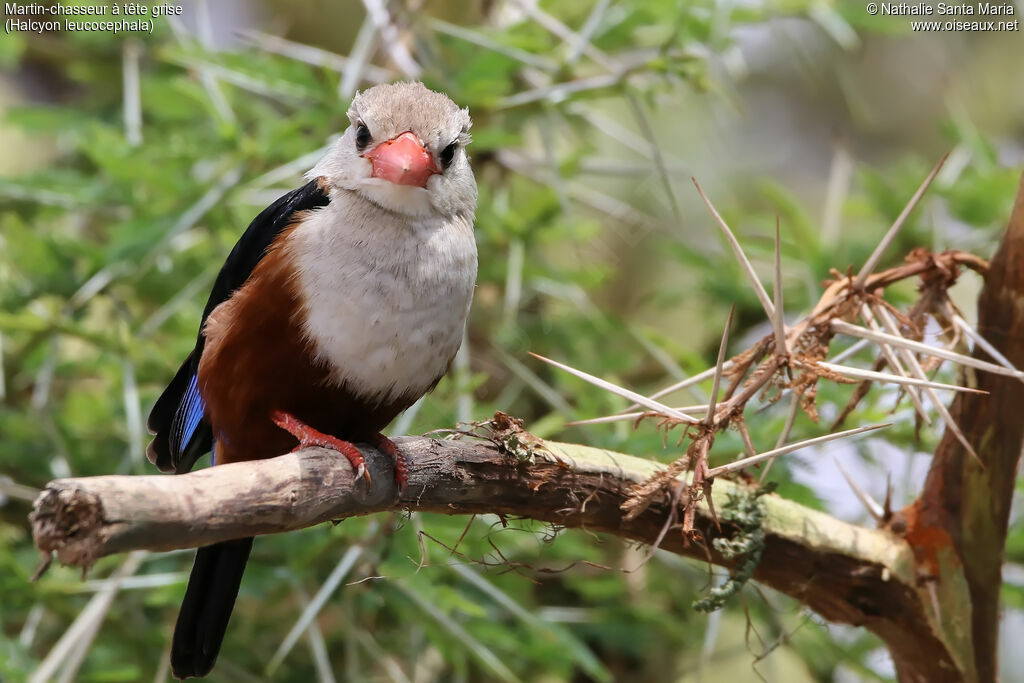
(342, 304)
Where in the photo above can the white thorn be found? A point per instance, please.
(854, 348)
(625, 393)
(688, 382)
(887, 351)
(873, 507)
(858, 373)
(794, 406)
(916, 368)
(621, 417)
(876, 255)
(895, 339)
(982, 342)
(718, 367)
(753, 460)
(759, 290)
(778, 320)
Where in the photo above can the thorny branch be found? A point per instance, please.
(792, 362)
(957, 528)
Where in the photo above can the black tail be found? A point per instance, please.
(206, 609)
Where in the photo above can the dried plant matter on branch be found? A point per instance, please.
(792, 360)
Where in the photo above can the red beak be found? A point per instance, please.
(402, 160)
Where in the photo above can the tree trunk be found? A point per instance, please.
(963, 512)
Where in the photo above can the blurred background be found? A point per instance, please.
(132, 161)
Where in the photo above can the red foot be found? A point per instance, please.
(383, 443)
(308, 436)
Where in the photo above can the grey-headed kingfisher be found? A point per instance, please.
(342, 304)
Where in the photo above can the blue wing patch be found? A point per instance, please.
(186, 419)
(181, 433)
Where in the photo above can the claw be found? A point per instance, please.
(388, 446)
(308, 436)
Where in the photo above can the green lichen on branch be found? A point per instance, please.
(744, 511)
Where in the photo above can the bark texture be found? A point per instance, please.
(962, 515)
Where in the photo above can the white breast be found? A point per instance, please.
(386, 296)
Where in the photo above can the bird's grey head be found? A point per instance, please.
(405, 151)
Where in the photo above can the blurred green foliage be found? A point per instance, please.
(108, 249)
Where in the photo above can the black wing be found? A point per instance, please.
(182, 433)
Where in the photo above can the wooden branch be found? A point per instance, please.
(846, 573)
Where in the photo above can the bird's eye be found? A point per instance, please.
(363, 137)
(447, 154)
